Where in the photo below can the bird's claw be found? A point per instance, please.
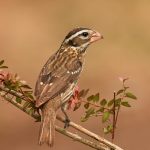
(67, 121)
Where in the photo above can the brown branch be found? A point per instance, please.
(103, 144)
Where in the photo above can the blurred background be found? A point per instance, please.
(31, 30)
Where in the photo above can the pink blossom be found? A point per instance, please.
(74, 100)
(4, 75)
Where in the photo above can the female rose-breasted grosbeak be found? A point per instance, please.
(59, 76)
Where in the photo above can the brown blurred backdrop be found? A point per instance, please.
(31, 30)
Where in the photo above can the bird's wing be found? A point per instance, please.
(52, 82)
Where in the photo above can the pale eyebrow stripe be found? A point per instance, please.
(74, 35)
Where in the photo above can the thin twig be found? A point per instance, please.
(114, 117)
(118, 109)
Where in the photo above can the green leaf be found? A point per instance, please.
(1, 62)
(130, 95)
(27, 105)
(100, 110)
(86, 106)
(83, 119)
(31, 111)
(96, 97)
(77, 106)
(120, 91)
(28, 92)
(90, 98)
(18, 100)
(103, 102)
(108, 129)
(110, 103)
(3, 67)
(105, 130)
(83, 93)
(126, 104)
(26, 86)
(90, 111)
(31, 96)
(117, 102)
(105, 116)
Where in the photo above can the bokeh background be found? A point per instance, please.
(31, 30)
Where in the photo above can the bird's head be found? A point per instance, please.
(80, 38)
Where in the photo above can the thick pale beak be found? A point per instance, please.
(96, 36)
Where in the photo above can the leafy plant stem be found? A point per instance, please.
(102, 145)
(116, 112)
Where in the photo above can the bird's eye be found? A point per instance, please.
(85, 34)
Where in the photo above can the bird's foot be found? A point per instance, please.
(67, 121)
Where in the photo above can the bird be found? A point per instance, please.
(58, 78)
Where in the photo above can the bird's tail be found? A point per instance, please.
(47, 130)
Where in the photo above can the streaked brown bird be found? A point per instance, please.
(58, 78)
